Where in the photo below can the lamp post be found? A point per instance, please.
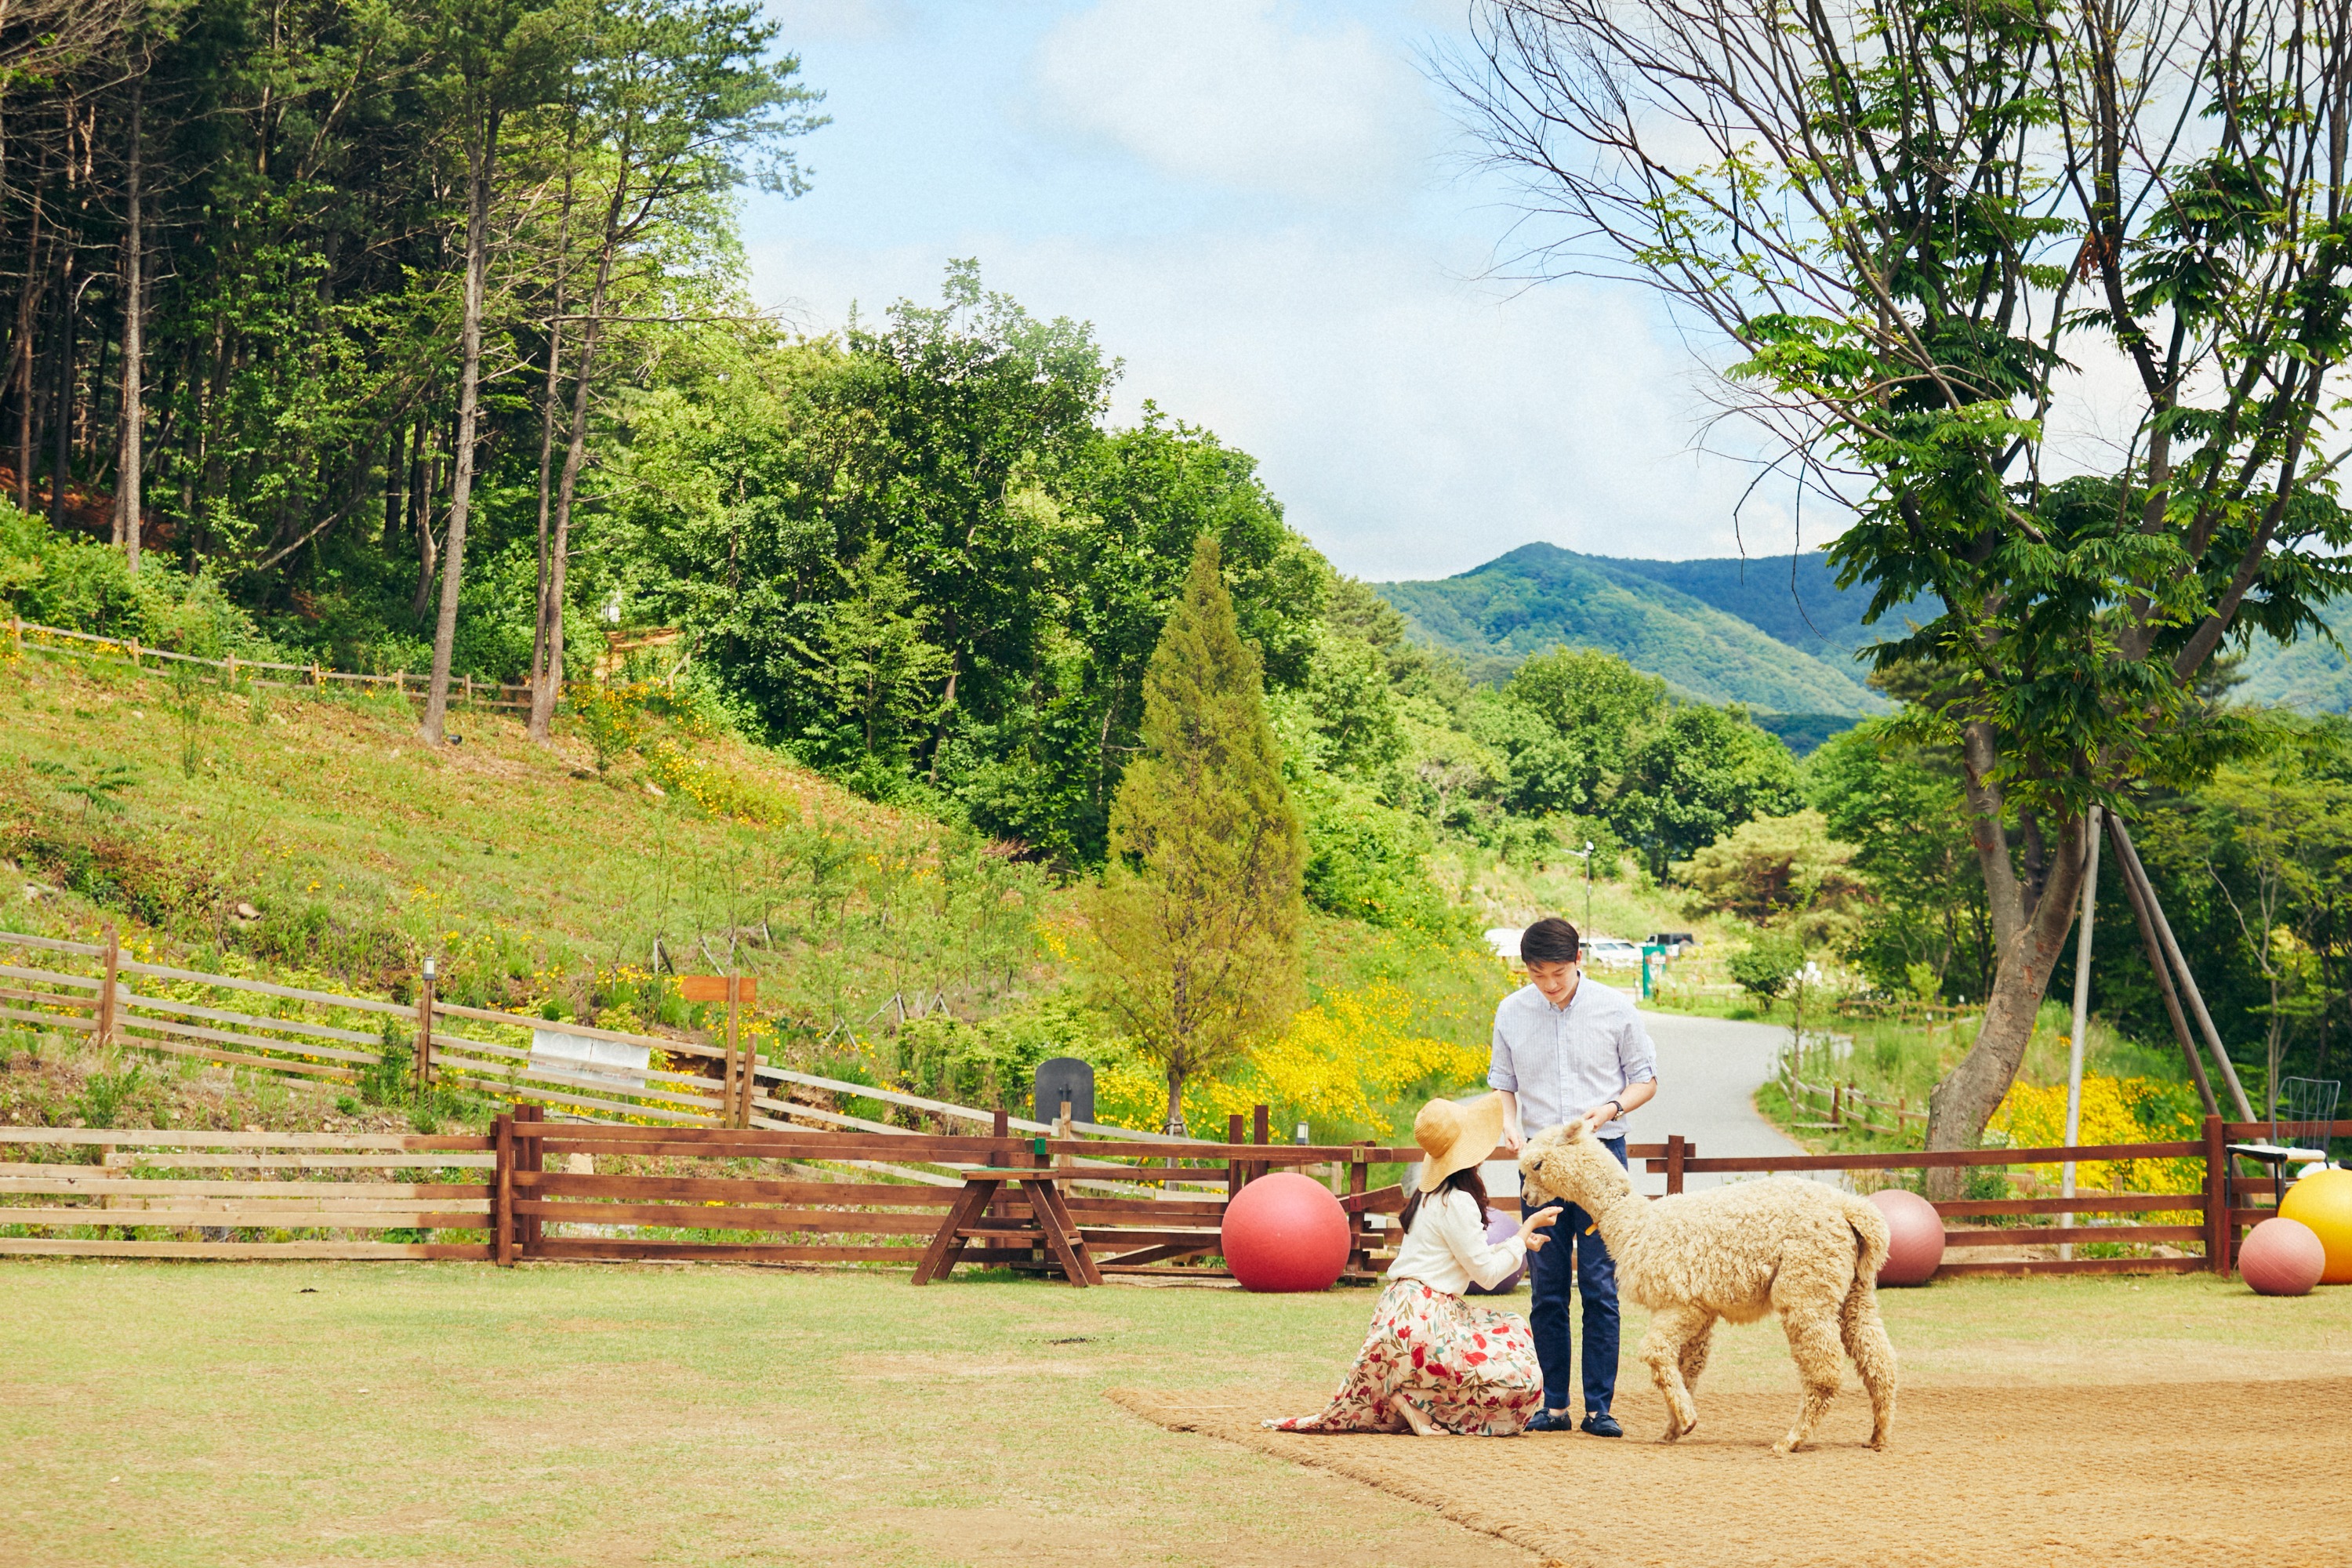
(1585, 855)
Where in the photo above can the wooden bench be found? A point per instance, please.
(1049, 1219)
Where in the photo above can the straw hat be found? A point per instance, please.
(1456, 1135)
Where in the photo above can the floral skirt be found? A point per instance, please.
(1473, 1369)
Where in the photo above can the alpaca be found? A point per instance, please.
(1804, 1250)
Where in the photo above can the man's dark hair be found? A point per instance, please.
(1551, 939)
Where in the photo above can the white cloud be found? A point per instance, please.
(1233, 93)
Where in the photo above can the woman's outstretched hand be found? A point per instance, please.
(1541, 1220)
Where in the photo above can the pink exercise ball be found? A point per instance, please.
(1916, 1240)
(2282, 1258)
(1285, 1231)
(1500, 1228)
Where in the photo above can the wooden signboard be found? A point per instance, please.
(738, 990)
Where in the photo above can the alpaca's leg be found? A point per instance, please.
(1873, 1356)
(1693, 1357)
(1665, 1351)
(1812, 1331)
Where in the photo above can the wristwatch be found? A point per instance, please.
(1619, 1104)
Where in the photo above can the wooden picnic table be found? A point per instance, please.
(1049, 1219)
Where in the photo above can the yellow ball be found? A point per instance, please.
(2323, 1201)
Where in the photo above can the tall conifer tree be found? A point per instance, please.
(1197, 923)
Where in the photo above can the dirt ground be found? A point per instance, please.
(272, 1415)
(2117, 1475)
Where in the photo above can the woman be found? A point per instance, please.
(1432, 1362)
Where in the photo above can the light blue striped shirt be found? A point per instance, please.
(1561, 1060)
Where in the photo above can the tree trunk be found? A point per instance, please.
(575, 452)
(127, 507)
(481, 161)
(547, 631)
(62, 393)
(395, 471)
(426, 483)
(1174, 1125)
(28, 316)
(1960, 1107)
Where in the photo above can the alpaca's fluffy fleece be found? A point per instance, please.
(1799, 1248)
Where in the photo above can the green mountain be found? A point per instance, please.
(1710, 629)
(1776, 634)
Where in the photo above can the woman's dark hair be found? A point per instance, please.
(1466, 1180)
(1551, 939)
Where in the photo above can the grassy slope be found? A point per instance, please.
(1539, 595)
(363, 851)
(453, 1413)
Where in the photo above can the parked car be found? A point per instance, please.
(1611, 953)
(1675, 943)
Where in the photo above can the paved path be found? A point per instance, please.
(1708, 1072)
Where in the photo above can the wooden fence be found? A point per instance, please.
(132, 1193)
(261, 672)
(680, 1166)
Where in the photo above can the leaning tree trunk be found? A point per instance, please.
(1960, 1105)
(551, 610)
(481, 160)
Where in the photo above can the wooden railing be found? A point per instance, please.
(151, 1193)
(314, 676)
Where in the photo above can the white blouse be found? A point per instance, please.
(1447, 1248)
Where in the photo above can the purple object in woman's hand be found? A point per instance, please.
(1500, 1228)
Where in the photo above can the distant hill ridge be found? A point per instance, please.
(1774, 633)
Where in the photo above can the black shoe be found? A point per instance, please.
(1551, 1421)
(1601, 1424)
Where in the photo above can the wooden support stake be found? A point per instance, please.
(2137, 872)
(2218, 1233)
(16, 632)
(109, 990)
(133, 646)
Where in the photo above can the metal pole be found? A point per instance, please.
(2082, 1017)
(1588, 887)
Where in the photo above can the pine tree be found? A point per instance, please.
(1196, 926)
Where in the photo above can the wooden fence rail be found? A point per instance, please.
(309, 677)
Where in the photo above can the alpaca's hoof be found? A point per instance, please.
(1671, 1434)
(1788, 1444)
(1879, 1441)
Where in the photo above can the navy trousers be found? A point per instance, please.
(1572, 1256)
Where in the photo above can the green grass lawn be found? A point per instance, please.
(453, 1413)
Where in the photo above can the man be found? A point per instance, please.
(1564, 1048)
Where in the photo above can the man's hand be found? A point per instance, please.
(1514, 1140)
(1601, 1115)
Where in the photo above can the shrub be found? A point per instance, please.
(1766, 965)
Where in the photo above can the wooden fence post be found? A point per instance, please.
(108, 989)
(1261, 1134)
(502, 1214)
(2219, 1234)
(1234, 1134)
(1360, 1224)
(133, 646)
(425, 1028)
(531, 1155)
(1675, 1155)
(1000, 1129)
(738, 1055)
(16, 632)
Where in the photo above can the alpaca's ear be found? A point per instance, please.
(1572, 1132)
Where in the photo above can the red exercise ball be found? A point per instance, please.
(1285, 1231)
(1500, 1228)
(2282, 1258)
(1915, 1243)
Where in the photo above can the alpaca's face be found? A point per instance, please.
(1568, 1162)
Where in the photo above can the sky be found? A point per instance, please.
(1268, 212)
